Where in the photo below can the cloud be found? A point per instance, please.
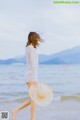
(57, 24)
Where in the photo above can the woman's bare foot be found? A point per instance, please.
(14, 112)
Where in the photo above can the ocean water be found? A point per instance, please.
(64, 79)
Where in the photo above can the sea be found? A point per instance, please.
(64, 80)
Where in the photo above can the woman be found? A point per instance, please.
(32, 72)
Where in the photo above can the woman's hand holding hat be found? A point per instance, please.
(42, 93)
(35, 83)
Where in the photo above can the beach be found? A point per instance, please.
(65, 81)
(57, 110)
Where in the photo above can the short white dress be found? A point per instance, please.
(32, 63)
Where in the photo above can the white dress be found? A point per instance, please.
(32, 63)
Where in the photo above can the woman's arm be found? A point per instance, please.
(33, 63)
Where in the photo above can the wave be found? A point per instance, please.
(56, 99)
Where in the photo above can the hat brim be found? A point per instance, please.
(33, 92)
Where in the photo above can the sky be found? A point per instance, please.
(57, 24)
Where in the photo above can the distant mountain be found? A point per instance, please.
(70, 56)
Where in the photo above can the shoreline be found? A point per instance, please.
(56, 98)
(57, 110)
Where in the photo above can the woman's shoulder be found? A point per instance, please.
(30, 48)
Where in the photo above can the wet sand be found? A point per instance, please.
(58, 110)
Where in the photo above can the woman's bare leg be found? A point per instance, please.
(33, 104)
(33, 107)
(33, 110)
(16, 110)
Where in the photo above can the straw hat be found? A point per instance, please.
(42, 94)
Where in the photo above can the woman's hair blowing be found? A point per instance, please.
(34, 39)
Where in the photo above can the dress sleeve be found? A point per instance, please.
(33, 63)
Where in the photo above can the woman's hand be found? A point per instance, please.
(35, 83)
(29, 83)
